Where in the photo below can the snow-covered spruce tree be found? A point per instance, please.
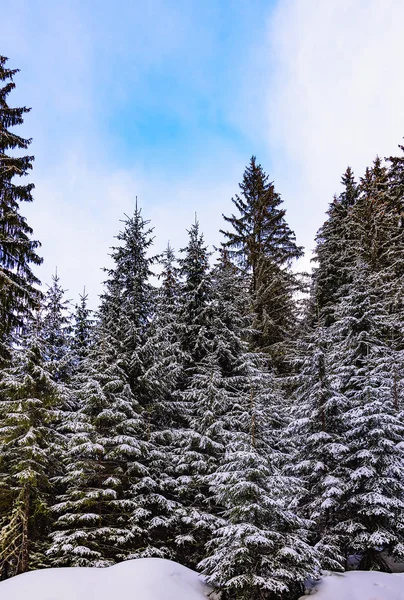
(196, 299)
(393, 270)
(104, 455)
(193, 331)
(19, 294)
(127, 310)
(127, 303)
(82, 328)
(224, 398)
(112, 432)
(262, 550)
(334, 252)
(158, 507)
(56, 330)
(263, 246)
(370, 517)
(28, 398)
(163, 350)
(316, 435)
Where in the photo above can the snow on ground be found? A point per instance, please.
(157, 579)
(359, 585)
(141, 579)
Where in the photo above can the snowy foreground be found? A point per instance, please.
(142, 579)
(157, 579)
(359, 585)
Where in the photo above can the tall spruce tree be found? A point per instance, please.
(262, 548)
(196, 300)
(127, 302)
(158, 506)
(94, 509)
(334, 252)
(224, 399)
(28, 402)
(263, 246)
(370, 515)
(19, 294)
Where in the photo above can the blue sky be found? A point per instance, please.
(167, 100)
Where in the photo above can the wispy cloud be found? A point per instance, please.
(335, 96)
(94, 80)
(167, 101)
(76, 236)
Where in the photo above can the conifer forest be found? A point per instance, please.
(233, 415)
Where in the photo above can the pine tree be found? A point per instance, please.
(102, 512)
(19, 294)
(224, 399)
(158, 507)
(127, 303)
(262, 549)
(28, 404)
(334, 251)
(316, 434)
(56, 330)
(196, 299)
(81, 330)
(370, 515)
(94, 511)
(263, 246)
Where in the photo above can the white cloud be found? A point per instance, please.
(324, 90)
(71, 74)
(335, 97)
(78, 208)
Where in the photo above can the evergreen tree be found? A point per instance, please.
(370, 516)
(18, 284)
(94, 511)
(158, 507)
(316, 435)
(56, 330)
(127, 303)
(109, 472)
(262, 549)
(334, 251)
(263, 246)
(223, 398)
(196, 299)
(27, 441)
(81, 330)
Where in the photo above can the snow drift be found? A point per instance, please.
(359, 585)
(141, 579)
(157, 579)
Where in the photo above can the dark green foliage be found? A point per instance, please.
(56, 330)
(263, 246)
(19, 295)
(127, 302)
(27, 441)
(196, 298)
(334, 251)
(81, 330)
